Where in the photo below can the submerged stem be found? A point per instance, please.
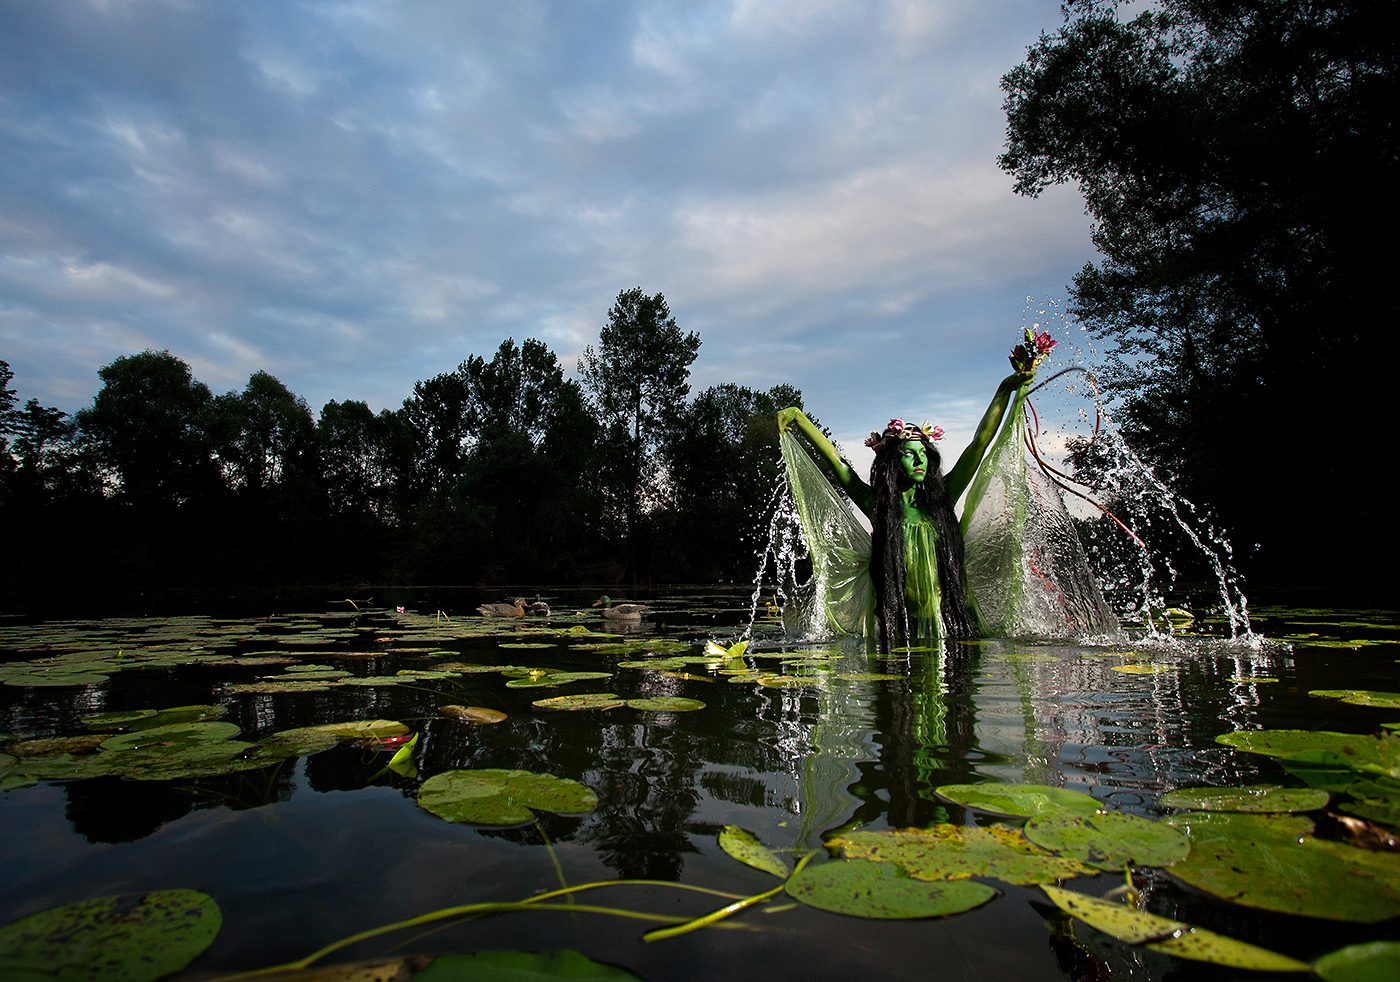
(661, 934)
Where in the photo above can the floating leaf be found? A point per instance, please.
(360, 729)
(580, 702)
(1374, 961)
(745, 847)
(174, 736)
(473, 714)
(1168, 936)
(1271, 862)
(1369, 754)
(880, 890)
(521, 966)
(666, 704)
(953, 852)
(55, 746)
(1361, 697)
(501, 797)
(1143, 669)
(1019, 800)
(551, 679)
(1252, 798)
(1109, 840)
(121, 939)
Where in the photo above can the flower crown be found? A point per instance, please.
(897, 431)
(1027, 356)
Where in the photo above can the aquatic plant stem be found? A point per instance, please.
(661, 934)
(445, 913)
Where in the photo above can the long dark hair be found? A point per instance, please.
(887, 546)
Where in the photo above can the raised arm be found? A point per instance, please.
(963, 471)
(836, 466)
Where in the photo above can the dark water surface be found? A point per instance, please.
(302, 854)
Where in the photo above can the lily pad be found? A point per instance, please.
(666, 704)
(521, 966)
(1138, 669)
(1374, 961)
(1020, 800)
(122, 939)
(1252, 798)
(473, 714)
(1272, 862)
(1169, 936)
(1323, 748)
(745, 847)
(954, 852)
(1361, 697)
(880, 890)
(551, 679)
(502, 797)
(173, 737)
(360, 729)
(1110, 840)
(581, 702)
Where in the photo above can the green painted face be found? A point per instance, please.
(913, 460)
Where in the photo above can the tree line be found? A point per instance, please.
(1240, 160)
(502, 470)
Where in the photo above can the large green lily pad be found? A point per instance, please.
(521, 966)
(173, 737)
(551, 679)
(1361, 697)
(1322, 748)
(745, 847)
(502, 797)
(113, 939)
(1019, 800)
(582, 702)
(1272, 862)
(881, 890)
(665, 704)
(954, 852)
(1109, 840)
(1258, 798)
(1374, 961)
(1169, 936)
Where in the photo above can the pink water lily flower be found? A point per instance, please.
(1044, 342)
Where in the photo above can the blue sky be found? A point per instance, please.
(354, 196)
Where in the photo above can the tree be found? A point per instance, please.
(723, 467)
(1237, 158)
(7, 404)
(265, 436)
(637, 378)
(148, 429)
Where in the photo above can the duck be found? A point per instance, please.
(537, 608)
(514, 609)
(621, 612)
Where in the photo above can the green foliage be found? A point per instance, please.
(1020, 800)
(1169, 936)
(1253, 798)
(1274, 863)
(1375, 961)
(521, 966)
(116, 939)
(1110, 841)
(744, 846)
(881, 891)
(953, 852)
(502, 797)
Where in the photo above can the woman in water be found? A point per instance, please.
(915, 562)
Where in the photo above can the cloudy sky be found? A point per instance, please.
(357, 195)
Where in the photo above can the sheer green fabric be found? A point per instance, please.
(1027, 571)
(840, 598)
(922, 596)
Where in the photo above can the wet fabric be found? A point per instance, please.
(1027, 572)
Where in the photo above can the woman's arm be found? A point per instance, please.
(837, 467)
(963, 471)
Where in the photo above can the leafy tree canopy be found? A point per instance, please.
(1240, 160)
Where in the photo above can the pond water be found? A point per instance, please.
(310, 839)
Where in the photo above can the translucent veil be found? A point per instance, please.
(1027, 572)
(841, 598)
(1026, 568)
